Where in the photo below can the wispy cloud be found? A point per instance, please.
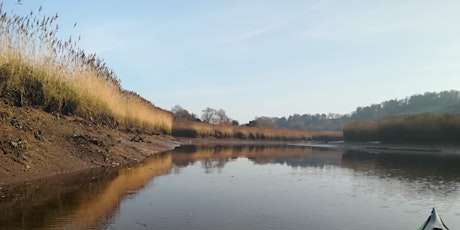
(298, 15)
(262, 30)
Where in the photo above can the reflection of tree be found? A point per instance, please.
(216, 163)
(209, 156)
(215, 157)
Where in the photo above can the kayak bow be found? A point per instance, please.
(433, 222)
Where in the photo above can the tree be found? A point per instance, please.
(263, 122)
(181, 114)
(208, 115)
(221, 117)
(282, 122)
(439, 103)
(215, 116)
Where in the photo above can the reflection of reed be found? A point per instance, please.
(80, 201)
(421, 166)
(219, 155)
(414, 174)
(130, 180)
(25, 206)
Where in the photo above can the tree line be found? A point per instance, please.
(445, 102)
(209, 115)
(216, 123)
(390, 121)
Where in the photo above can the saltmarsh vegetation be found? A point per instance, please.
(39, 69)
(201, 129)
(427, 128)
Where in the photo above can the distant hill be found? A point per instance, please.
(445, 102)
(429, 102)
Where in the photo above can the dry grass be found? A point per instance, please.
(39, 69)
(425, 128)
(361, 131)
(327, 136)
(198, 129)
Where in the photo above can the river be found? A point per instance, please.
(245, 187)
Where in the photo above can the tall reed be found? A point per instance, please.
(361, 131)
(199, 129)
(37, 68)
(424, 128)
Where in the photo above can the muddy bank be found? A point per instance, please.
(35, 144)
(230, 141)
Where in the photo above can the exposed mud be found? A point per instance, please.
(35, 144)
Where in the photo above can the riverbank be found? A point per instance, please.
(377, 147)
(35, 144)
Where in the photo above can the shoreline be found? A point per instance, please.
(36, 145)
(377, 147)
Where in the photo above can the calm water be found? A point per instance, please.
(245, 187)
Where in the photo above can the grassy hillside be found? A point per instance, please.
(38, 69)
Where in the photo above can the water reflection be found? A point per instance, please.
(410, 166)
(422, 171)
(35, 204)
(287, 187)
(77, 201)
(215, 157)
(91, 199)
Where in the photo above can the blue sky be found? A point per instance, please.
(269, 58)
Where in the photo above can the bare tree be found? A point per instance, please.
(221, 117)
(208, 115)
(215, 116)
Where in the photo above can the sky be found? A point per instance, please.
(270, 58)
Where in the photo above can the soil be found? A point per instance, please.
(35, 144)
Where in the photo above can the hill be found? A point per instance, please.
(445, 102)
